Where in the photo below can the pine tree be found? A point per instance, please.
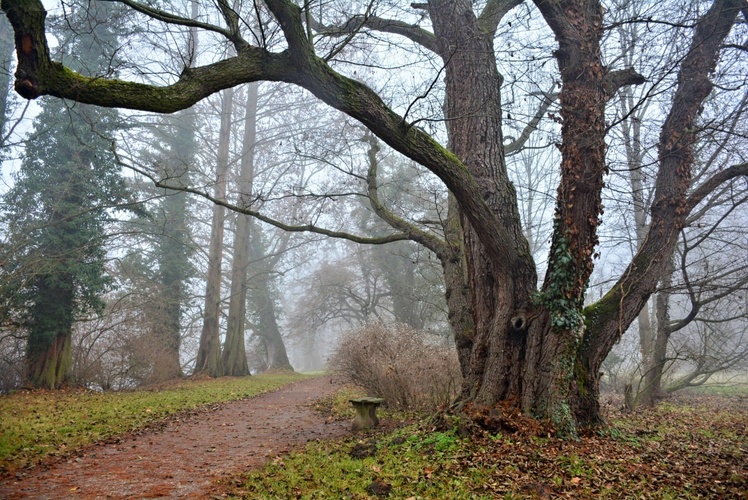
(56, 216)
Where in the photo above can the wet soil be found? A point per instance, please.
(188, 454)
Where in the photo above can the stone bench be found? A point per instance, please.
(366, 413)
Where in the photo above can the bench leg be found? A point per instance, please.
(373, 415)
(363, 419)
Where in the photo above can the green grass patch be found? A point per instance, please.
(38, 424)
(407, 461)
(722, 390)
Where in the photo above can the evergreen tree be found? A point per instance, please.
(168, 228)
(56, 215)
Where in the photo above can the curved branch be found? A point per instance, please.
(708, 186)
(433, 243)
(168, 17)
(616, 80)
(303, 228)
(412, 32)
(494, 12)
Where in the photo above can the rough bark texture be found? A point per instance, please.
(500, 286)
(577, 25)
(209, 352)
(610, 316)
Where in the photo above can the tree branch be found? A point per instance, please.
(433, 243)
(708, 186)
(615, 80)
(494, 12)
(168, 17)
(412, 32)
(516, 145)
(304, 228)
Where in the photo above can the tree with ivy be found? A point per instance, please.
(57, 213)
(535, 346)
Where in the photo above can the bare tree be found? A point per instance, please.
(209, 353)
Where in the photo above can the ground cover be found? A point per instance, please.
(37, 425)
(693, 446)
(688, 447)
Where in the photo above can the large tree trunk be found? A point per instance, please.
(209, 351)
(607, 319)
(234, 351)
(49, 352)
(500, 289)
(552, 348)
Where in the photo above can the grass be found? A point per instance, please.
(694, 448)
(35, 425)
(691, 447)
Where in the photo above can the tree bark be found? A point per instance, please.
(234, 351)
(49, 348)
(209, 351)
(499, 286)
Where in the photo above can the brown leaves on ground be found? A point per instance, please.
(695, 446)
(505, 417)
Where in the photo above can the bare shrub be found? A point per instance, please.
(12, 359)
(404, 366)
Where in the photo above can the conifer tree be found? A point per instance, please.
(57, 213)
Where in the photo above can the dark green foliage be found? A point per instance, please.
(56, 215)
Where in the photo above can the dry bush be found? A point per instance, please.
(402, 365)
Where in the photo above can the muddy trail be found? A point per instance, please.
(185, 456)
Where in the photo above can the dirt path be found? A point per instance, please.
(185, 457)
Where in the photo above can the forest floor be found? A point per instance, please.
(188, 453)
(296, 442)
